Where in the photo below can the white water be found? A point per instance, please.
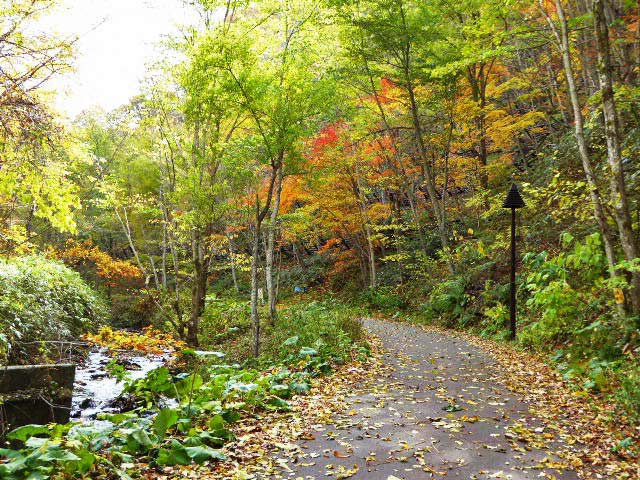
(92, 382)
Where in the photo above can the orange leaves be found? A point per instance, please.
(330, 245)
(112, 270)
(378, 212)
(149, 341)
(292, 193)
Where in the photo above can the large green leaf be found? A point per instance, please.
(218, 429)
(139, 440)
(165, 419)
(202, 453)
(27, 431)
(57, 454)
(176, 454)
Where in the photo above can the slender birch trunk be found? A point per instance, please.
(261, 213)
(232, 256)
(612, 132)
(562, 40)
(255, 314)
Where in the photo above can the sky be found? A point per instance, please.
(118, 39)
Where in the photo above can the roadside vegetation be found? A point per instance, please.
(182, 414)
(43, 301)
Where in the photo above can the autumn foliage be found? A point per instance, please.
(112, 271)
(150, 340)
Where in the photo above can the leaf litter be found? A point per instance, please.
(577, 435)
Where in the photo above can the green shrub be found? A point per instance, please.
(383, 298)
(567, 294)
(224, 319)
(447, 302)
(628, 396)
(495, 320)
(226, 326)
(310, 272)
(40, 300)
(314, 323)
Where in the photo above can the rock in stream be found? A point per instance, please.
(94, 390)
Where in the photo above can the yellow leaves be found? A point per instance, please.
(618, 294)
(149, 341)
(14, 238)
(428, 469)
(379, 212)
(547, 462)
(467, 419)
(453, 426)
(515, 83)
(504, 129)
(242, 475)
(343, 472)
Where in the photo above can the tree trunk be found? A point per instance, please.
(199, 287)
(562, 39)
(176, 268)
(234, 273)
(255, 314)
(417, 125)
(269, 254)
(429, 177)
(164, 256)
(477, 82)
(371, 257)
(261, 213)
(614, 156)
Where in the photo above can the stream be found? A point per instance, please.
(94, 391)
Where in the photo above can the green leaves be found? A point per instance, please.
(202, 453)
(41, 457)
(42, 299)
(291, 341)
(139, 441)
(178, 454)
(308, 352)
(27, 431)
(192, 430)
(165, 419)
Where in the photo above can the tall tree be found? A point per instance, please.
(35, 154)
(612, 127)
(561, 36)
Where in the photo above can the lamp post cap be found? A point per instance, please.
(514, 199)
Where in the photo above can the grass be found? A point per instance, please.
(226, 327)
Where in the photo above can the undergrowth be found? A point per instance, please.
(183, 416)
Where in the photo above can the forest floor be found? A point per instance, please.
(434, 404)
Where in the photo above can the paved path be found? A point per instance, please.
(441, 412)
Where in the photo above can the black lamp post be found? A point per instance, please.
(513, 201)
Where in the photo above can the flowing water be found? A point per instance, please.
(94, 390)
